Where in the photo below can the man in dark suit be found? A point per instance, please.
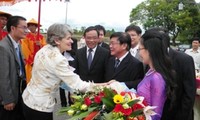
(102, 33)
(12, 70)
(128, 69)
(183, 65)
(91, 60)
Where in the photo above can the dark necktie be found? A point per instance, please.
(117, 61)
(89, 57)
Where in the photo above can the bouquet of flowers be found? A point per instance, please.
(108, 104)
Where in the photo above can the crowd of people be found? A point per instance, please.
(33, 68)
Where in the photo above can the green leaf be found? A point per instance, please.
(109, 93)
(131, 103)
(63, 110)
(136, 113)
(82, 114)
(108, 103)
(108, 116)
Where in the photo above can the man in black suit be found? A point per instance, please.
(183, 65)
(91, 60)
(122, 66)
(102, 33)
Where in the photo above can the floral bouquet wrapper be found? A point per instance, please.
(114, 102)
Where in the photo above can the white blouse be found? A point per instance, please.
(49, 69)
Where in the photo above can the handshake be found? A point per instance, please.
(117, 86)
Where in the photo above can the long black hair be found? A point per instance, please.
(153, 42)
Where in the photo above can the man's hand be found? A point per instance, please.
(111, 81)
(9, 106)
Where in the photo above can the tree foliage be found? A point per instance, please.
(182, 24)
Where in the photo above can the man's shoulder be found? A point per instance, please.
(181, 56)
(81, 49)
(102, 49)
(4, 41)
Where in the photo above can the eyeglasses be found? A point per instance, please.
(24, 28)
(140, 49)
(114, 43)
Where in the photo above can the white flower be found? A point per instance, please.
(148, 112)
(118, 87)
(70, 112)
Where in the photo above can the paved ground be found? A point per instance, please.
(57, 107)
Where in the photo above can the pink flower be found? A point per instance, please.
(127, 111)
(87, 101)
(119, 108)
(97, 99)
(137, 107)
(102, 94)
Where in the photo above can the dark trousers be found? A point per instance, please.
(31, 114)
(63, 98)
(15, 114)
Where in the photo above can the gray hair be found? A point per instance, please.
(57, 31)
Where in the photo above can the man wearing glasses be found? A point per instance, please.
(123, 67)
(12, 73)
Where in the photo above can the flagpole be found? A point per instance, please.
(39, 14)
(66, 11)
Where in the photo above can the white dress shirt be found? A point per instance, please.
(196, 57)
(49, 69)
(93, 51)
(121, 58)
(134, 51)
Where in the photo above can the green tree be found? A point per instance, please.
(182, 24)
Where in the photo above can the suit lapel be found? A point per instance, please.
(84, 56)
(123, 64)
(13, 51)
(96, 57)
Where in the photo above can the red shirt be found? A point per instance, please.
(3, 34)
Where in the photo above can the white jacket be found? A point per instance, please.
(49, 69)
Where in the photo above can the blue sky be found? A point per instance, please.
(110, 13)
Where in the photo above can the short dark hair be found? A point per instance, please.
(163, 32)
(14, 21)
(90, 29)
(123, 38)
(135, 28)
(100, 27)
(195, 39)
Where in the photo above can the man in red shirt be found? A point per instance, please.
(3, 20)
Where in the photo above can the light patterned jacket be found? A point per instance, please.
(49, 69)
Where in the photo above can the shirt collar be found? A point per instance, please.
(197, 51)
(135, 48)
(13, 42)
(121, 58)
(94, 49)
